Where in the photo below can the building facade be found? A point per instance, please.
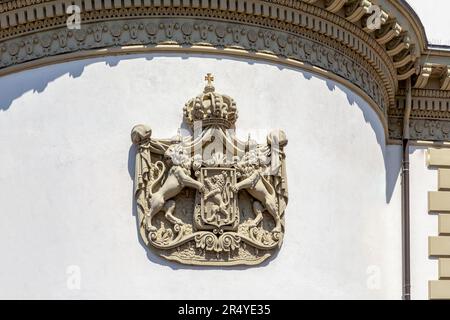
(361, 95)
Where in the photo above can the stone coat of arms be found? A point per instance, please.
(208, 198)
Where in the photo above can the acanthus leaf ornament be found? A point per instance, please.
(209, 198)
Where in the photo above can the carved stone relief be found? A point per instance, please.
(333, 57)
(208, 198)
(429, 115)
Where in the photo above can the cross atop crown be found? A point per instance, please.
(210, 78)
(211, 108)
(209, 85)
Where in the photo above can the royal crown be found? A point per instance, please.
(211, 108)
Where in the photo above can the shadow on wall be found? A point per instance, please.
(38, 79)
(13, 86)
(392, 159)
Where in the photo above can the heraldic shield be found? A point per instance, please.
(219, 210)
(206, 197)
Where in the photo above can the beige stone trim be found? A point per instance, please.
(444, 179)
(439, 246)
(438, 201)
(444, 224)
(444, 268)
(439, 290)
(438, 157)
(429, 144)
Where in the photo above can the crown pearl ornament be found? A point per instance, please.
(211, 108)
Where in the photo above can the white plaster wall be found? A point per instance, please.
(423, 225)
(66, 166)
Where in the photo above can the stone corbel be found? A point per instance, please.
(445, 79)
(388, 32)
(356, 10)
(407, 71)
(331, 5)
(397, 45)
(424, 76)
(404, 57)
(334, 5)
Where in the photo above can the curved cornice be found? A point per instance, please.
(311, 30)
(21, 16)
(332, 35)
(402, 34)
(416, 24)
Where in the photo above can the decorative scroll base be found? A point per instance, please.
(222, 263)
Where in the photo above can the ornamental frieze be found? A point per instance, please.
(421, 129)
(332, 57)
(429, 118)
(287, 20)
(321, 35)
(208, 198)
